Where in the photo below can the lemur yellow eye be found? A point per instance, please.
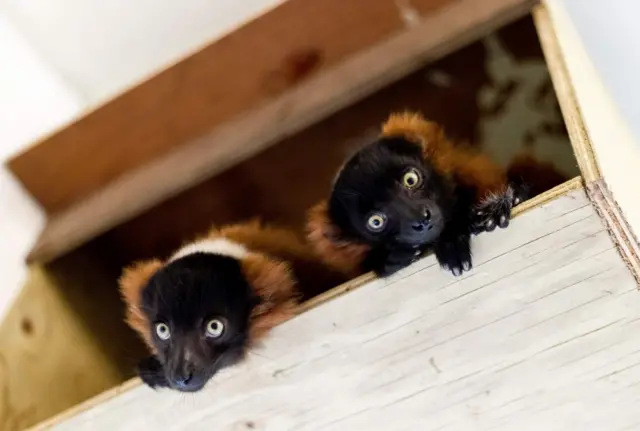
(215, 328)
(411, 179)
(376, 222)
(162, 329)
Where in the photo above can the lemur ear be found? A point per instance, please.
(133, 279)
(436, 147)
(413, 127)
(274, 287)
(325, 237)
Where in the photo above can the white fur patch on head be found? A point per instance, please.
(220, 246)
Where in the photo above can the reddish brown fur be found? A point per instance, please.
(465, 164)
(313, 274)
(258, 237)
(274, 283)
(270, 268)
(132, 281)
(344, 256)
(460, 162)
(538, 176)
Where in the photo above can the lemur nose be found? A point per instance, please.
(423, 223)
(184, 376)
(184, 380)
(418, 227)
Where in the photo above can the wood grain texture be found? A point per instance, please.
(611, 142)
(623, 237)
(547, 20)
(529, 205)
(62, 341)
(563, 85)
(101, 189)
(540, 335)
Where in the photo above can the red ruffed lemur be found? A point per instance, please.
(203, 308)
(410, 191)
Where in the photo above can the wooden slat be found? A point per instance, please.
(563, 86)
(617, 148)
(615, 220)
(541, 335)
(439, 31)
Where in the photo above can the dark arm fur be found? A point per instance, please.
(388, 259)
(453, 248)
(150, 371)
(493, 196)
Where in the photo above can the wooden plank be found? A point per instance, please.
(256, 63)
(542, 334)
(62, 341)
(563, 85)
(531, 204)
(613, 146)
(619, 229)
(439, 31)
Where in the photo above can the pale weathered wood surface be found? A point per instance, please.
(544, 334)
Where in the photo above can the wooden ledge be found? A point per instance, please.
(566, 94)
(538, 201)
(550, 25)
(546, 325)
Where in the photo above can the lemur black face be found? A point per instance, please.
(198, 307)
(387, 193)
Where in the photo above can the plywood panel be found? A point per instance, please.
(62, 341)
(564, 86)
(605, 150)
(540, 335)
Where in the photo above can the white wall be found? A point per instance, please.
(610, 33)
(33, 101)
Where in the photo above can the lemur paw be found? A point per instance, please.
(398, 259)
(150, 372)
(495, 211)
(454, 254)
